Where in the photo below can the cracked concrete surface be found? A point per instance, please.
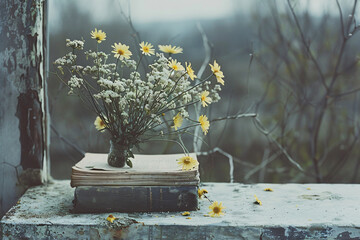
(291, 211)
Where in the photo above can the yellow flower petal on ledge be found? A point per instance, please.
(201, 192)
(111, 218)
(121, 51)
(178, 120)
(216, 209)
(170, 49)
(185, 213)
(187, 163)
(205, 100)
(257, 201)
(268, 190)
(147, 48)
(205, 124)
(99, 124)
(98, 35)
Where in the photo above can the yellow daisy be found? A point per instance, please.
(98, 35)
(268, 190)
(121, 51)
(147, 48)
(178, 119)
(176, 65)
(111, 218)
(170, 49)
(99, 124)
(190, 71)
(216, 71)
(187, 163)
(216, 209)
(205, 124)
(220, 80)
(257, 201)
(205, 100)
(202, 192)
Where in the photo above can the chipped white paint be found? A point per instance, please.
(21, 71)
(291, 211)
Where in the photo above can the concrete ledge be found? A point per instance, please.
(292, 211)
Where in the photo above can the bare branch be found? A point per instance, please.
(263, 130)
(322, 77)
(234, 117)
(341, 19)
(66, 141)
(208, 50)
(135, 34)
(345, 93)
(265, 162)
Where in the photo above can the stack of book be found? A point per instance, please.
(155, 183)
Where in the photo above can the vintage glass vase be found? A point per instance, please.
(118, 154)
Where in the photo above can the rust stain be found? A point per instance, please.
(80, 232)
(120, 230)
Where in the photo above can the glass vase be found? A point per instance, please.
(118, 154)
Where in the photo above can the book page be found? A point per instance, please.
(141, 163)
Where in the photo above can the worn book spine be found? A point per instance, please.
(98, 199)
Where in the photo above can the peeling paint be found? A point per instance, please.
(22, 118)
(30, 124)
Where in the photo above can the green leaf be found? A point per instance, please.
(129, 163)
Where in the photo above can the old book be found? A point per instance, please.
(155, 183)
(95, 199)
(148, 170)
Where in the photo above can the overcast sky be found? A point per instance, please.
(144, 11)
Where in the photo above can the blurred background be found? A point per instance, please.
(293, 63)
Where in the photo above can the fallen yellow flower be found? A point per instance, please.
(201, 192)
(111, 218)
(185, 213)
(257, 201)
(216, 209)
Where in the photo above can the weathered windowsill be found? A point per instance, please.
(292, 211)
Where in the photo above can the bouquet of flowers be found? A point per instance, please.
(135, 108)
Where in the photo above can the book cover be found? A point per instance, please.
(96, 199)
